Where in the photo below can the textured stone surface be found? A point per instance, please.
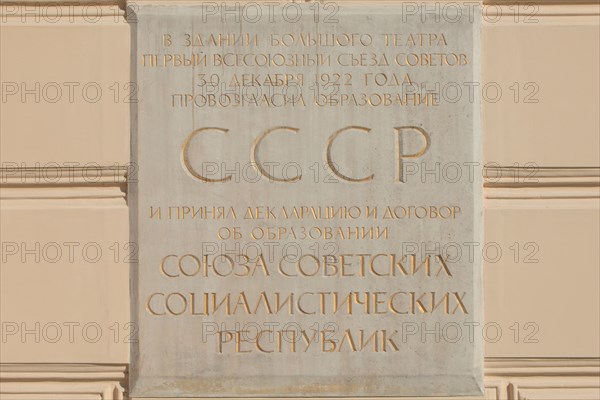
(339, 147)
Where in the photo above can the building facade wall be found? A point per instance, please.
(64, 147)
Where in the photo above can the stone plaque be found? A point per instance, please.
(308, 203)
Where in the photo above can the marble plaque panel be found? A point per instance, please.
(308, 202)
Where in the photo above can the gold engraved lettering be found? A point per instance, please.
(329, 157)
(185, 157)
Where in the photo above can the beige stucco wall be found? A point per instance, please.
(554, 219)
